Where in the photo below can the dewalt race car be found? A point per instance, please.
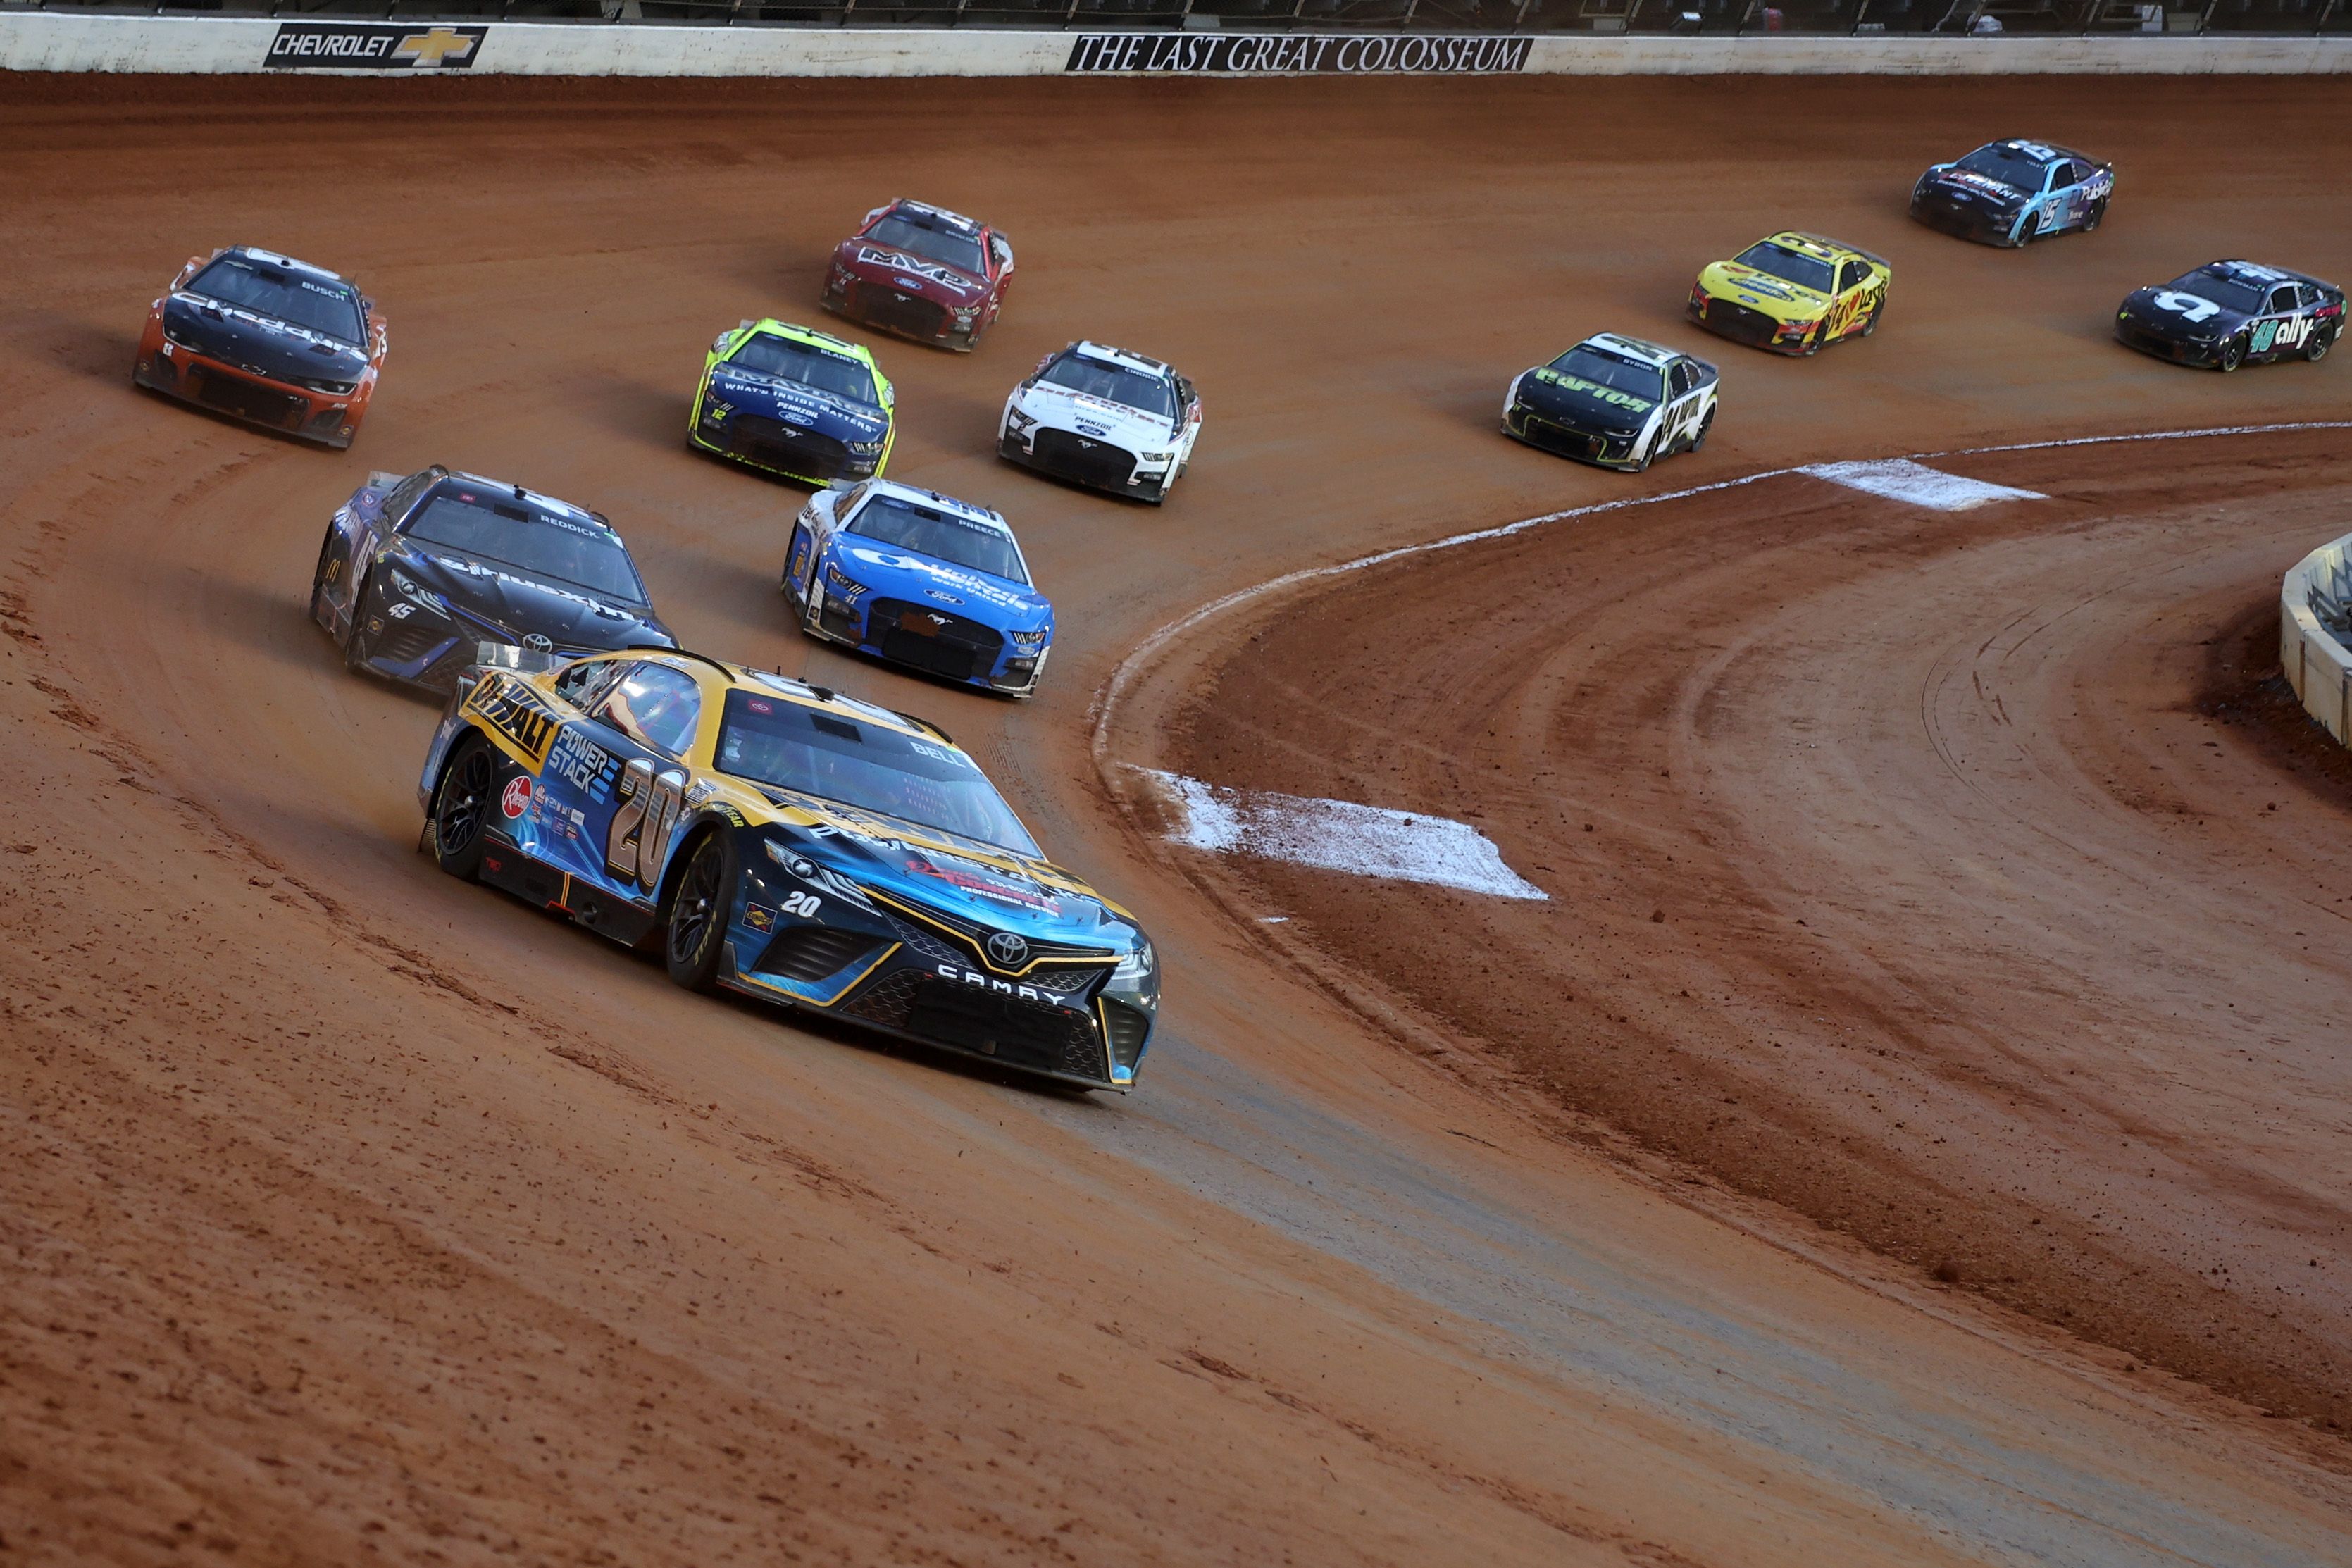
(922, 272)
(783, 841)
(794, 401)
(1620, 402)
(1792, 293)
(2229, 313)
(269, 340)
(2013, 192)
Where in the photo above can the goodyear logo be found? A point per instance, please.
(510, 709)
(366, 45)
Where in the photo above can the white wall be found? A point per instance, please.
(63, 41)
(2317, 666)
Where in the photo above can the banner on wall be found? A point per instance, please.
(1293, 54)
(373, 45)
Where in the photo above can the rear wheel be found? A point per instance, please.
(697, 913)
(2091, 219)
(2317, 349)
(461, 807)
(1870, 323)
(1705, 426)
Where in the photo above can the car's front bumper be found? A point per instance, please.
(1085, 460)
(1741, 324)
(1601, 448)
(969, 652)
(1964, 220)
(327, 419)
(804, 456)
(901, 314)
(2133, 335)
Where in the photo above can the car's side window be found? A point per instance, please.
(2282, 298)
(2305, 295)
(1683, 377)
(655, 706)
(1850, 274)
(581, 684)
(404, 496)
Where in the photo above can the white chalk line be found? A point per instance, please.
(1916, 484)
(1106, 703)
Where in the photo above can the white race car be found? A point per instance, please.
(1619, 402)
(1103, 417)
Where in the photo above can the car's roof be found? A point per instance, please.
(272, 259)
(920, 496)
(530, 497)
(1821, 247)
(1640, 349)
(2255, 272)
(2040, 152)
(798, 334)
(775, 683)
(1120, 357)
(934, 217)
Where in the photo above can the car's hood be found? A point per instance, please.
(1096, 416)
(794, 404)
(961, 881)
(1958, 181)
(896, 574)
(1774, 295)
(568, 617)
(2188, 315)
(1583, 403)
(279, 350)
(911, 274)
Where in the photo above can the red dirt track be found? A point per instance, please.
(358, 1213)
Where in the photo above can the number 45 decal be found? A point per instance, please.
(647, 810)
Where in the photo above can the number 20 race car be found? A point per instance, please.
(2229, 313)
(1616, 401)
(1792, 293)
(272, 341)
(922, 272)
(779, 840)
(2013, 192)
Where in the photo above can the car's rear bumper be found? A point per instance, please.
(327, 418)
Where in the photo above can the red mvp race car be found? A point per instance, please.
(267, 339)
(922, 272)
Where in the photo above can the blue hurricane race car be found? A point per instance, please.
(921, 580)
(796, 402)
(2013, 192)
(783, 841)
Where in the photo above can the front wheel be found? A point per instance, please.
(320, 611)
(697, 914)
(358, 646)
(2029, 230)
(2233, 354)
(461, 807)
(1649, 455)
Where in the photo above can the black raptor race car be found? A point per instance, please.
(2229, 313)
(415, 573)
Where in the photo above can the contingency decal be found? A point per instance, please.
(513, 713)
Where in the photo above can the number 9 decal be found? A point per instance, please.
(2189, 307)
(642, 821)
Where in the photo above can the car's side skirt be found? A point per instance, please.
(506, 867)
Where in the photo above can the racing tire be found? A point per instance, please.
(2091, 219)
(318, 580)
(1870, 323)
(461, 808)
(694, 941)
(2317, 349)
(358, 648)
(1642, 464)
(2233, 354)
(1705, 426)
(2030, 230)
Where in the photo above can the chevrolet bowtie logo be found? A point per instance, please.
(436, 47)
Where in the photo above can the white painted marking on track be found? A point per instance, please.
(1340, 836)
(1900, 479)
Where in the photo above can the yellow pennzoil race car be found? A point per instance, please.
(1793, 294)
(783, 841)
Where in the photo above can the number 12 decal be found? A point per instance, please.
(647, 810)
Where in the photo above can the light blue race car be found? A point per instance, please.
(921, 580)
(2013, 192)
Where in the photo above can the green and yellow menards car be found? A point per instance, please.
(1793, 294)
(796, 402)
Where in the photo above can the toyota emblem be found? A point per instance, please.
(1005, 951)
(539, 642)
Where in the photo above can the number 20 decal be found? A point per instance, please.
(642, 821)
(804, 905)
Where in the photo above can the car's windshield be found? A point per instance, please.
(773, 741)
(329, 308)
(2006, 164)
(1644, 383)
(1796, 266)
(537, 543)
(927, 531)
(2229, 293)
(764, 354)
(1112, 384)
(960, 251)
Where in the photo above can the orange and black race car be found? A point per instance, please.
(269, 340)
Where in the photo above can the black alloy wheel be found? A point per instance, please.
(2233, 354)
(697, 914)
(461, 807)
(1705, 426)
(2093, 218)
(318, 578)
(2029, 231)
(1870, 323)
(2317, 349)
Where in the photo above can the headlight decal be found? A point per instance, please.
(842, 584)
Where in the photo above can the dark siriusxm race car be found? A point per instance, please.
(781, 840)
(922, 580)
(2229, 313)
(416, 572)
(2013, 192)
(797, 402)
(272, 341)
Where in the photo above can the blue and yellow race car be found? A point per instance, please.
(796, 402)
(922, 580)
(783, 841)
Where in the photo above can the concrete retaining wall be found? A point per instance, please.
(67, 41)
(2317, 666)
